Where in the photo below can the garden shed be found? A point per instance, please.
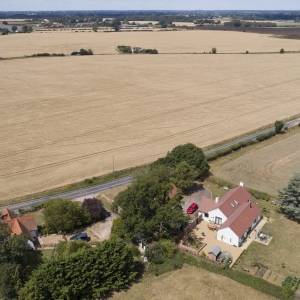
(214, 253)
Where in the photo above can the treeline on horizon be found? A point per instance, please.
(172, 16)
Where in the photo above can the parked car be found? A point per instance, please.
(177, 207)
(192, 208)
(80, 236)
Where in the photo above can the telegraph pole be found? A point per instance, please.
(113, 164)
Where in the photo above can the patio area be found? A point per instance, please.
(210, 238)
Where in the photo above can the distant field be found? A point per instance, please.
(189, 283)
(267, 167)
(164, 41)
(63, 119)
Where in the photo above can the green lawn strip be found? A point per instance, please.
(243, 278)
(75, 186)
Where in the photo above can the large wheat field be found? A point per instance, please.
(164, 41)
(64, 119)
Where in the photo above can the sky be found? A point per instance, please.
(18, 5)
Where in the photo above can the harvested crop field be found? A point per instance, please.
(164, 41)
(63, 119)
(264, 168)
(189, 283)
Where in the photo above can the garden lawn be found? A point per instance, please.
(284, 247)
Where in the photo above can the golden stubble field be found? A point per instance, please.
(164, 41)
(264, 168)
(64, 119)
(189, 283)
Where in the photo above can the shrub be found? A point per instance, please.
(281, 50)
(247, 52)
(89, 181)
(214, 50)
(278, 126)
(94, 208)
(266, 136)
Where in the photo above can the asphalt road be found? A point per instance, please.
(85, 192)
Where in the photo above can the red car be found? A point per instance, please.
(193, 207)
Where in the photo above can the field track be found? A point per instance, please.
(65, 118)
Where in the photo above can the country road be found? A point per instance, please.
(84, 192)
(96, 189)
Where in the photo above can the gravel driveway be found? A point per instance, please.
(198, 191)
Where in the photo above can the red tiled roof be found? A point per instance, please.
(28, 221)
(24, 224)
(227, 204)
(7, 214)
(207, 205)
(242, 218)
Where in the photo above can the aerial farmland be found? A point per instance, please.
(65, 119)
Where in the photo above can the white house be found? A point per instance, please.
(235, 214)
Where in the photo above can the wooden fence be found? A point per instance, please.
(188, 229)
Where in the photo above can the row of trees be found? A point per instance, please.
(146, 208)
(14, 28)
(83, 52)
(79, 271)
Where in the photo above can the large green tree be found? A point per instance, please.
(64, 215)
(86, 274)
(183, 176)
(290, 197)
(146, 208)
(189, 153)
(17, 261)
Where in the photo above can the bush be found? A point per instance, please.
(278, 126)
(281, 50)
(214, 50)
(167, 264)
(89, 181)
(247, 52)
(83, 52)
(64, 215)
(125, 49)
(94, 208)
(266, 136)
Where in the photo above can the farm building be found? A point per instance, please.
(234, 213)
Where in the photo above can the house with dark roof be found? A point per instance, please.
(235, 214)
(20, 225)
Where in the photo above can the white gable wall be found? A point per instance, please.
(213, 214)
(226, 235)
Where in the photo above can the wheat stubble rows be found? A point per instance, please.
(63, 119)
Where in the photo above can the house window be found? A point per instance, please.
(206, 215)
(218, 221)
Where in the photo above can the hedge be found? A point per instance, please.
(229, 150)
